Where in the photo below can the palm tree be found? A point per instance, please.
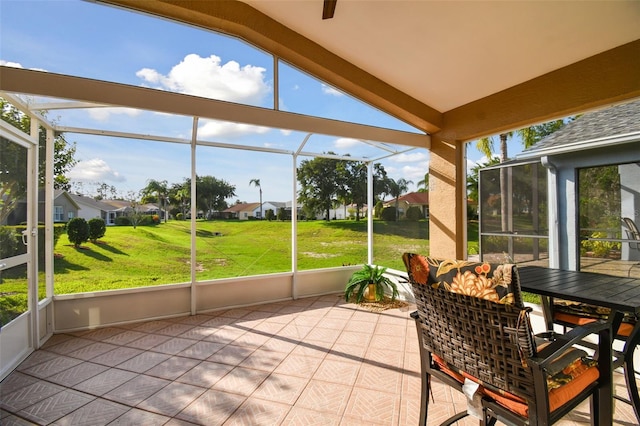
(424, 183)
(256, 182)
(160, 189)
(396, 189)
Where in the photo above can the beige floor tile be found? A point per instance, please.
(281, 388)
(326, 397)
(136, 390)
(255, 411)
(241, 380)
(171, 399)
(303, 416)
(206, 374)
(310, 361)
(97, 412)
(56, 406)
(211, 408)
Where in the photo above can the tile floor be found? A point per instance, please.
(312, 361)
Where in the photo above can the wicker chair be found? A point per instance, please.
(474, 329)
(632, 231)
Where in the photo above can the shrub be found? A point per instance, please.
(8, 242)
(269, 215)
(414, 213)
(78, 231)
(97, 229)
(599, 248)
(388, 213)
(146, 220)
(123, 221)
(179, 216)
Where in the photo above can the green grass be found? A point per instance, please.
(151, 255)
(127, 257)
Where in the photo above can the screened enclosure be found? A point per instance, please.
(514, 213)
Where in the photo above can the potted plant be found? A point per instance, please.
(370, 278)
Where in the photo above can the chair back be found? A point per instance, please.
(472, 317)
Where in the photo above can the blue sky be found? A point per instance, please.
(95, 41)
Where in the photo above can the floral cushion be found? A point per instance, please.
(494, 282)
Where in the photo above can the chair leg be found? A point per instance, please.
(424, 398)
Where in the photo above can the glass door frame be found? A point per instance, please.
(20, 337)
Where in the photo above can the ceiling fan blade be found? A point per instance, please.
(328, 9)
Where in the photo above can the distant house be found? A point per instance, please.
(242, 211)
(124, 208)
(412, 199)
(90, 208)
(64, 208)
(270, 205)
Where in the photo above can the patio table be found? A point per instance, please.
(620, 294)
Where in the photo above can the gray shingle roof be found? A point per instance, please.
(616, 121)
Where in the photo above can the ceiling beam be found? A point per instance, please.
(607, 78)
(40, 83)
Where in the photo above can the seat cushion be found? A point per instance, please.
(563, 386)
(625, 328)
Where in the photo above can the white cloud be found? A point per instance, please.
(328, 90)
(18, 65)
(96, 170)
(215, 128)
(10, 64)
(346, 142)
(208, 77)
(103, 114)
(410, 157)
(415, 173)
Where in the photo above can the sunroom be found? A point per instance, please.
(461, 84)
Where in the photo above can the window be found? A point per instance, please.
(58, 214)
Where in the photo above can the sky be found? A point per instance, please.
(106, 43)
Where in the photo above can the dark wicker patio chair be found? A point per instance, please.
(474, 329)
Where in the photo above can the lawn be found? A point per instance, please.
(127, 257)
(151, 255)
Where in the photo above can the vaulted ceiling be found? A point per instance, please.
(461, 70)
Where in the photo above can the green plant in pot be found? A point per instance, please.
(370, 278)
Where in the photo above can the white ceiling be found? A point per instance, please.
(450, 53)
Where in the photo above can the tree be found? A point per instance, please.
(211, 194)
(77, 231)
(396, 189)
(179, 195)
(159, 188)
(319, 184)
(424, 183)
(256, 182)
(103, 190)
(97, 229)
(13, 161)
